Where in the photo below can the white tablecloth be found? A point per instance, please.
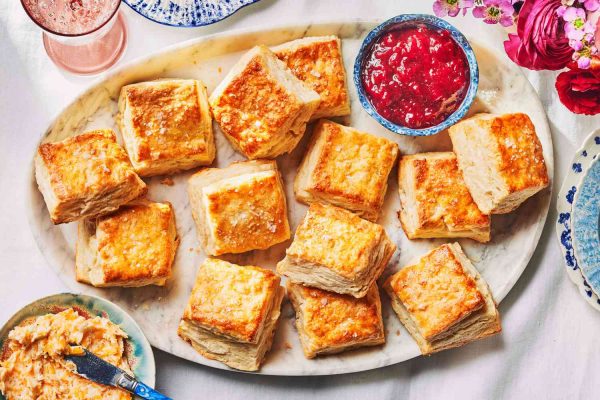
(549, 345)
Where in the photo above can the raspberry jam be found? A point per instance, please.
(416, 76)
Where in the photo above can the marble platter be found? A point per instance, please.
(157, 310)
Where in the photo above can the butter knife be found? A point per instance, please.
(96, 369)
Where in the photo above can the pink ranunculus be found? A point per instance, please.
(540, 42)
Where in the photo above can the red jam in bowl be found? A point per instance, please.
(416, 76)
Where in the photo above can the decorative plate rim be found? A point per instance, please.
(134, 332)
(586, 211)
(580, 162)
(464, 44)
(244, 3)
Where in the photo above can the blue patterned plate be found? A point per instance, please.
(580, 163)
(139, 352)
(586, 226)
(187, 13)
(410, 20)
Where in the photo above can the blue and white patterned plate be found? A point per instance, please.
(586, 226)
(187, 13)
(580, 163)
(138, 351)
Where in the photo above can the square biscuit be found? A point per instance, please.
(330, 323)
(261, 107)
(239, 208)
(232, 313)
(346, 168)
(134, 246)
(435, 202)
(443, 301)
(335, 250)
(85, 176)
(166, 126)
(317, 61)
(501, 159)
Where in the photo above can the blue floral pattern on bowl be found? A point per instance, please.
(564, 223)
(586, 226)
(433, 21)
(187, 14)
(139, 353)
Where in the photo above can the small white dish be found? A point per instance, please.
(580, 163)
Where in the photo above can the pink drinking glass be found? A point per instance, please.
(80, 36)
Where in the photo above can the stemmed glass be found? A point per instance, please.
(80, 36)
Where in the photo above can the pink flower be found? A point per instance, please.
(591, 5)
(494, 11)
(540, 42)
(573, 13)
(580, 32)
(579, 29)
(584, 55)
(451, 8)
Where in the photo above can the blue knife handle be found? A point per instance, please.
(146, 392)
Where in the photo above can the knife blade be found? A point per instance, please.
(93, 368)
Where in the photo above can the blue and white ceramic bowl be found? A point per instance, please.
(409, 20)
(187, 13)
(138, 350)
(580, 163)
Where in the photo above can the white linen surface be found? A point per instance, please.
(548, 349)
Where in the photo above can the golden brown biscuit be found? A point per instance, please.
(330, 323)
(85, 176)
(239, 208)
(317, 61)
(166, 126)
(346, 168)
(261, 107)
(335, 250)
(435, 202)
(443, 301)
(232, 313)
(134, 246)
(501, 159)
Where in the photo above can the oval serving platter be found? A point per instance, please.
(502, 89)
(138, 351)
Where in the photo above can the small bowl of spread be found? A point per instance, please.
(416, 74)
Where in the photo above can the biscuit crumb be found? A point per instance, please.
(191, 249)
(398, 332)
(167, 181)
(219, 70)
(287, 345)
